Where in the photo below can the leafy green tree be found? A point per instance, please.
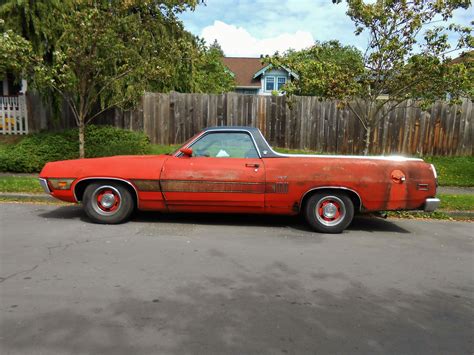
(327, 69)
(16, 53)
(34, 21)
(106, 53)
(210, 73)
(407, 56)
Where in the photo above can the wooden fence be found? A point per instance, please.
(310, 123)
(322, 126)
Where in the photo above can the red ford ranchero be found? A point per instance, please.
(234, 170)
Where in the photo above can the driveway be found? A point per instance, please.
(211, 284)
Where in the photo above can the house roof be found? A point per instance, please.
(244, 70)
(464, 57)
(270, 66)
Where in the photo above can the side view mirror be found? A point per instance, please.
(188, 152)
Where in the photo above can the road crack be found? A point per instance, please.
(18, 273)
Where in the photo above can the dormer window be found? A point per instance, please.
(270, 83)
(281, 82)
(274, 83)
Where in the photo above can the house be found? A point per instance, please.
(254, 78)
(13, 106)
(12, 87)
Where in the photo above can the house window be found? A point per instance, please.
(281, 82)
(269, 83)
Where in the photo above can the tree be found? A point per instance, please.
(106, 53)
(36, 22)
(326, 69)
(211, 75)
(16, 53)
(406, 56)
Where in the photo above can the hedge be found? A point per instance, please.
(32, 152)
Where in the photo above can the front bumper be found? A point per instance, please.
(431, 204)
(44, 185)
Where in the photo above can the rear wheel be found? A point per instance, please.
(108, 203)
(329, 212)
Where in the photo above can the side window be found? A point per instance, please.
(225, 145)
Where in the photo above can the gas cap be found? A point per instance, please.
(398, 177)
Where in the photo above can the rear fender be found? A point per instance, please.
(352, 194)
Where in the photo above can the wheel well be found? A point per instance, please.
(355, 198)
(82, 185)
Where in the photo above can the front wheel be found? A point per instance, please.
(108, 203)
(329, 212)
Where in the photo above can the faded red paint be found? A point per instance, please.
(251, 185)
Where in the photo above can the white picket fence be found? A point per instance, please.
(13, 115)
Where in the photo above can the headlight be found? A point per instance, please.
(60, 184)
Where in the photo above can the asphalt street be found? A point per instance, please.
(212, 284)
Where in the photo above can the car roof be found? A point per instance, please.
(226, 128)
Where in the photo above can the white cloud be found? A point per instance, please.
(238, 42)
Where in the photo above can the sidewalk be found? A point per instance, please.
(455, 190)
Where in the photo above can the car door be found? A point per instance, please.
(224, 174)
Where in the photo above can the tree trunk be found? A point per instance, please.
(82, 130)
(367, 140)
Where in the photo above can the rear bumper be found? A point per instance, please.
(44, 185)
(431, 204)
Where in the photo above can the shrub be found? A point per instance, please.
(32, 152)
(102, 141)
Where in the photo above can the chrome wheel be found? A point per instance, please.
(108, 203)
(330, 210)
(106, 200)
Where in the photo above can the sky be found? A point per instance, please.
(250, 28)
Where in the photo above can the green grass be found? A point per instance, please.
(157, 149)
(25, 184)
(453, 171)
(457, 202)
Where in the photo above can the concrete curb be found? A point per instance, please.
(27, 197)
(462, 214)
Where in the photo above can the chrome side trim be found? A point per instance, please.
(333, 188)
(45, 186)
(204, 133)
(106, 178)
(379, 157)
(431, 204)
